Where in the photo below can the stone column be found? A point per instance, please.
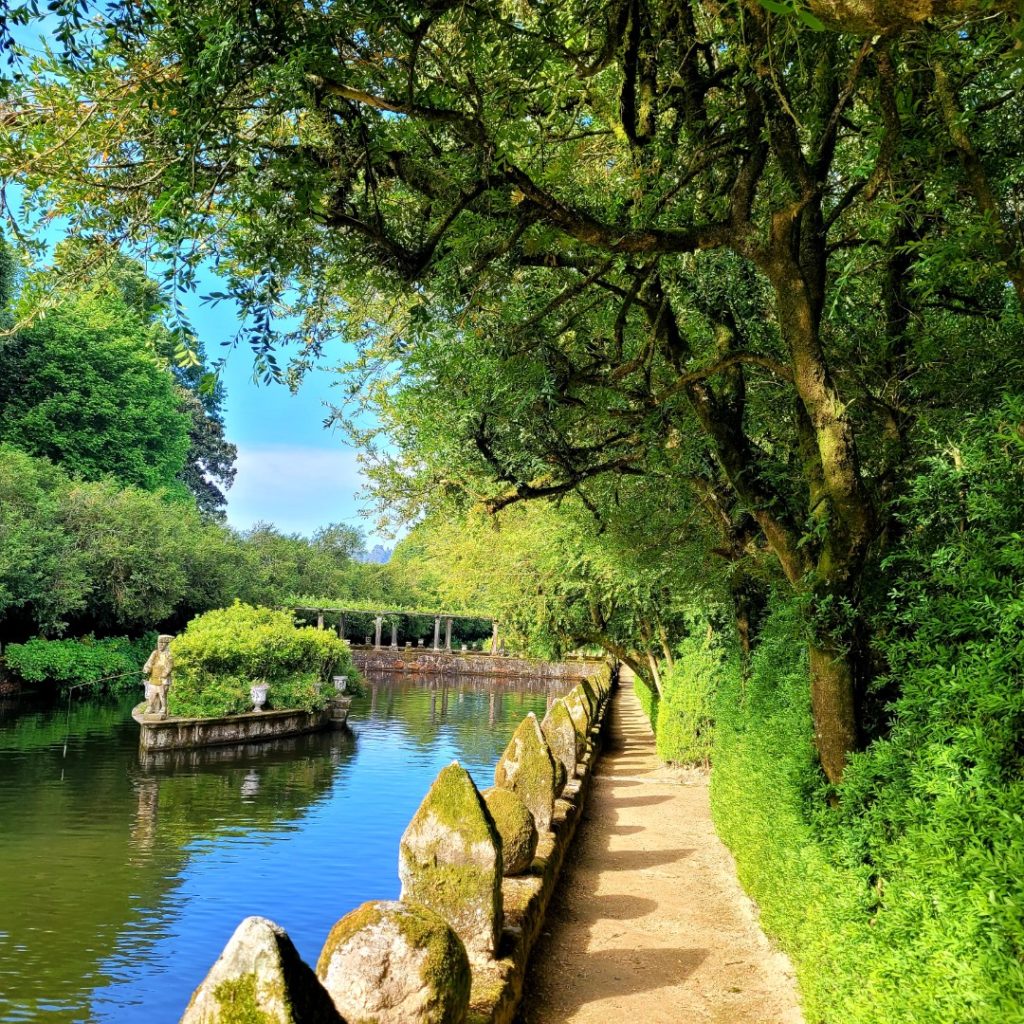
(320, 618)
(341, 627)
(378, 624)
(394, 633)
(437, 632)
(494, 637)
(447, 634)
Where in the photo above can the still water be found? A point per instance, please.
(121, 880)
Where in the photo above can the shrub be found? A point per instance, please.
(222, 653)
(683, 717)
(904, 903)
(685, 722)
(648, 701)
(85, 660)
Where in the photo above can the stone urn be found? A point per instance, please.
(258, 695)
(340, 683)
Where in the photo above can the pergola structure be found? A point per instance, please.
(378, 620)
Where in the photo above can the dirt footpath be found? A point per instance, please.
(649, 923)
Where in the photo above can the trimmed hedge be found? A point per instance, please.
(682, 719)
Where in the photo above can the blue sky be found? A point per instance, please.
(292, 471)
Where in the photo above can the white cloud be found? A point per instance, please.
(298, 488)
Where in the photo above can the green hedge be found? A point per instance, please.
(683, 718)
(223, 653)
(85, 660)
(904, 902)
(648, 701)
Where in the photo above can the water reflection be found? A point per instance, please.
(124, 876)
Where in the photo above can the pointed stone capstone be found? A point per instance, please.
(528, 768)
(516, 827)
(395, 963)
(260, 977)
(577, 706)
(593, 701)
(449, 860)
(563, 739)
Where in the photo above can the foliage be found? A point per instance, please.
(116, 662)
(82, 387)
(42, 577)
(715, 249)
(222, 653)
(648, 701)
(906, 902)
(97, 557)
(682, 716)
(684, 724)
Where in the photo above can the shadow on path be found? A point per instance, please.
(648, 924)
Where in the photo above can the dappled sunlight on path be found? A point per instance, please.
(649, 923)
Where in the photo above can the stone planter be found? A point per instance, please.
(340, 683)
(258, 695)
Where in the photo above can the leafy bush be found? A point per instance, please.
(905, 902)
(85, 660)
(224, 652)
(648, 701)
(683, 717)
(684, 727)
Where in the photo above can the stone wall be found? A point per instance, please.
(156, 734)
(454, 949)
(425, 661)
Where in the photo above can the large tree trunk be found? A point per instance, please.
(833, 708)
(837, 498)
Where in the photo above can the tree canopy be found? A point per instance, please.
(744, 250)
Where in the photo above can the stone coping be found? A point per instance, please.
(498, 983)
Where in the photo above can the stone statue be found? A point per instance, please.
(160, 668)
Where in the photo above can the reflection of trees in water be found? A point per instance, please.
(89, 859)
(247, 785)
(477, 713)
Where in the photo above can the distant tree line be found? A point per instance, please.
(114, 467)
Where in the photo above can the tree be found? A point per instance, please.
(43, 581)
(81, 387)
(648, 220)
(209, 468)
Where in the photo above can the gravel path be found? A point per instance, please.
(649, 924)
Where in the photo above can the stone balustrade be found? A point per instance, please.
(454, 948)
(424, 661)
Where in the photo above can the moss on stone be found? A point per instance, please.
(456, 803)
(358, 920)
(450, 859)
(590, 693)
(560, 775)
(238, 1003)
(446, 968)
(563, 737)
(434, 964)
(527, 767)
(259, 978)
(516, 827)
(577, 707)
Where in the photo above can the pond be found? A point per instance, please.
(122, 879)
